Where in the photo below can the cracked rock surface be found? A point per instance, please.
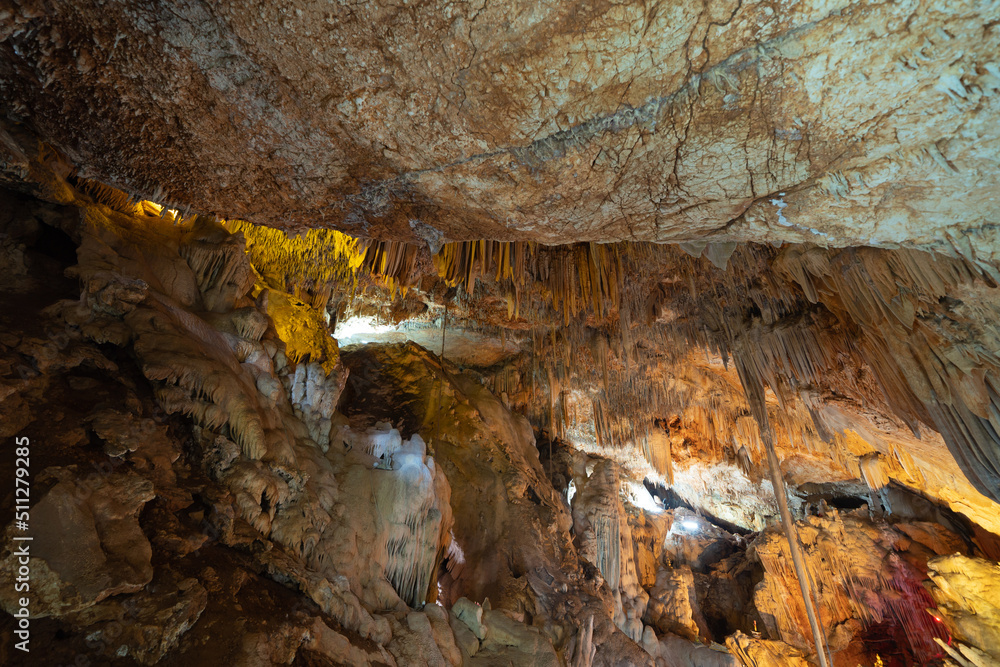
(811, 121)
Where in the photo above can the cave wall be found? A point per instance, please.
(360, 487)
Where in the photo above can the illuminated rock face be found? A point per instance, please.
(965, 589)
(351, 492)
(378, 505)
(819, 122)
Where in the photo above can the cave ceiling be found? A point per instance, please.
(554, 122)
(560, 304)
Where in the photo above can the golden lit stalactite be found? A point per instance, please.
(106, 195)
(933, 367)
(392, 261)
(309, 260)
(573, 279)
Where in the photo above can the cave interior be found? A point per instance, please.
(572, 333)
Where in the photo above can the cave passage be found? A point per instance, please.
(560, 334)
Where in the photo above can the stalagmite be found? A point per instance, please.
(543, 334)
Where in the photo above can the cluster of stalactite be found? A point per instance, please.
(903, 334)
(638, 366)
(792, 319)
(322, 263)
(311, 264)
(931, 343)
(570, 280)
(391, 261)
(308, 262)
(573, 279)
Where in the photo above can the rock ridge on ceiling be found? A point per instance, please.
(805, 122)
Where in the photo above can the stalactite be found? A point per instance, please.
(574, 279)
(308, 261)
(898, 302)
(105, 195)
(892, 307)
(606, 533)
(861, 577)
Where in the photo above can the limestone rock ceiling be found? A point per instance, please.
(643, 238)
(827, 122)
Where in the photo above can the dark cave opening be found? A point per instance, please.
(55, 244)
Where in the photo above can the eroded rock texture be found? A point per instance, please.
(557, 122)
(436, 441)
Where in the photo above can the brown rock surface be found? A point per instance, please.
(146, 626)
(866, 574)
(87, 543)
(569, 121)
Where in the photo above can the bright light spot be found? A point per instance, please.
(639, 496)
(455, 553)
(358, 329)
(571, 492)
(689, 524)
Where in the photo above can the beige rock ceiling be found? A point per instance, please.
(831, 122)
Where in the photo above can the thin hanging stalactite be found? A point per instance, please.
(754, 390)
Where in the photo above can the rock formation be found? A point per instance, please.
(577, 334)
(572, 121)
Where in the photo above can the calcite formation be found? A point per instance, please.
(410, 515)
(568, 334)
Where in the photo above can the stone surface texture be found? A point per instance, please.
(815, 121)
(580, 478)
